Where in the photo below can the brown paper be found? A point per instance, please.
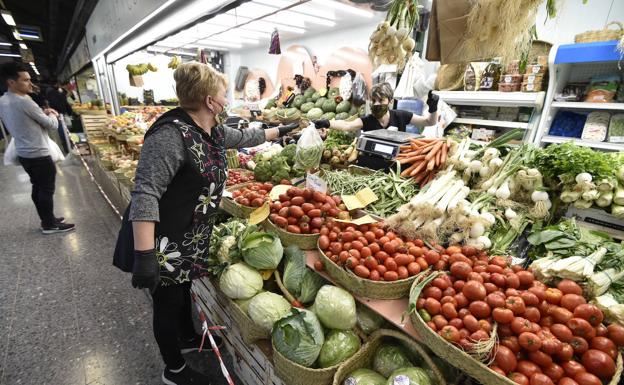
(447, 30)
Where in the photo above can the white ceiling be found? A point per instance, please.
(235, 29)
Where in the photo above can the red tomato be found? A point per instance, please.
(479, 335)
(512, 281)
(528, 368)
(547, 321)
(551, 345)
(553, 296)
(571, 301)
(512, 343)
(529, 341)
(598, 363)
(590, 313)
(439, 321)
(504, 330)
(520, 325)
(579, 344)
(431, 305)
(605, 345)
(496, 299)
(601, 331)
(585, 378)
(562, 332)
(616, 334)
(532, 314)
(459, 269)
(538, 291)
(540, 379)
(498, 370)
(519, 378)
(471, 323)
(526, 278)
(554, 371)
(515, 304)
(572, 368)
(474, 291)
(580, 327)
(540, 358)
(505, 359)
(449, 312)
(461, 299)
(457, 322)
(567, 381)
(567, 286)
(503, 316)
(450, 333)
(560, 314)
(480, 309)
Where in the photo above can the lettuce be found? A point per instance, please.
(335, 308)
(240, 281)
(267, 308)
(262, 250)
(299, 337)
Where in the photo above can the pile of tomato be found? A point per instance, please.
(304, 211)
(238, 177)
(253, 195)
(373, 253)
(547, 335)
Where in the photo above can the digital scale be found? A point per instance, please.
(379, 147)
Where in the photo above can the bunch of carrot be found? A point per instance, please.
(426, 156)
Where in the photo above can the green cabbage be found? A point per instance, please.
(335, 308)
(364, 377)
(267, 308)
(409, 376)
(240, 281)
(300, 281)
(262, 250)
(368, 320)
(339, 345)
(390, 357)
(244, 303)
(299, 337)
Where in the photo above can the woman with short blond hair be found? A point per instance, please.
(180, 177)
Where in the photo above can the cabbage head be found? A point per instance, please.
(335, 308)
(267, 308)
(300, 281)
(364, 377)
(240, 281)
(367, 320)
(299, 337)
(339, 345)
(262, 250)
(409, 376)
(390, 357)
(244, 303)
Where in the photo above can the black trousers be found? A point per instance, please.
(42, 173)
(172, 321)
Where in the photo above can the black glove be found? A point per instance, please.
(283, 130)
(321, 123)
(145, 272)
(432, 102)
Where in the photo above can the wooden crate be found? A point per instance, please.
(94, 125)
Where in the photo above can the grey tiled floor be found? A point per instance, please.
(67, 316)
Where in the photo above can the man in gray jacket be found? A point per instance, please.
(28, 126)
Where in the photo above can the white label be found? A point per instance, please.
(401, 380)
(508, 79)
(536, 69)
(531, 79)
(530, 87)
(616, 139)
(383, 149)
(314, 182)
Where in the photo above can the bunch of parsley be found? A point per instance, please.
(566, 160)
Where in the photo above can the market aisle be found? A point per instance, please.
(67, 316)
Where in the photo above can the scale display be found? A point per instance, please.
(384, 149)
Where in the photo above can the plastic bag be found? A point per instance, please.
(309, 149)
(359, 90)
(55, 151)
(10, 155)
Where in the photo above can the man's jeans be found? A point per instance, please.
(42, 172)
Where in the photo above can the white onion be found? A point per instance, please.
(583, 177)
(488, 217)
(477, 230)
(510, 214)
(476, 165)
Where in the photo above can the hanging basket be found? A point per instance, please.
(365, 356)
(605, 34)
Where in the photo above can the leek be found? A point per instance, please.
(618, 198)
(605, 199)
(577, 267)
(600, 282)
(617, 211)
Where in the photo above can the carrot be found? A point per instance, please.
(421, 165)
(405, 147)
(419, 178)
(431, 164)
(408, 170)
(444, 153)
(438, 157)
(411, 159)
(435, 149)
(407, 154)
(427, 148)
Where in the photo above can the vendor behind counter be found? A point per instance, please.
(382, 116)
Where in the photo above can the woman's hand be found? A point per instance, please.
(145, 272)
(432, 102)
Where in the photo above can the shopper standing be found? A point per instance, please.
(382, 116)
(178, 185)
(29, 125)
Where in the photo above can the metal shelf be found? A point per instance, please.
(492, 123)
(589, 106)
(586, 143)
(493, 98)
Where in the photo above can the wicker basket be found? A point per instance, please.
(364, 357)
(248, 329)
(304, 241)
(294, 374)
(365, 287)
(604, 34)
(463, 361)
(233, 208)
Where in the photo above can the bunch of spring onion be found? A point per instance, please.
(391, 42)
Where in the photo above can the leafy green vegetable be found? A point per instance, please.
(299, 337)
(565, 161)
(261, 250)
(267, 308)
(335, 308)
(390, 357)
(368, 320)
(223, 249)
(239, 281)
(339, 345)
(409, 376)
(336, 138)
(289, 153)
(300, 281)
(364, 377)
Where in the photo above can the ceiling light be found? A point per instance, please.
(16, 35)
(23, 46)
(228, 38)
(309, 18)
(6, 44)
(218, 43)
(10, 55)
(8, 18)
(344, 7)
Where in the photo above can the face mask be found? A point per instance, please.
(222, 116)
(379, 110)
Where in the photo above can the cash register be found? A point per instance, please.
(378, 148)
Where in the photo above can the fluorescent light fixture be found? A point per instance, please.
(344, 7)
(6, 44)
(217, 43)
(23, 46)
(225, 37)
(137, 26)
(29, 36)
(10, 55)
(8, 18)
(16, 35)
(290, 15)
(269, 26)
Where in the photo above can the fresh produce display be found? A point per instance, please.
(391, 189)
(367, 320)
(309, 149)
(253, 195)
(299, 337)
(240, 281)
(276, 164)
(503, 316)
(339, 148)
(267, 308)
(425, 156)
(391, 42)
(237, 177)
(303, 211)
(339, 345)
(335, 308)
(301, 282)
(261, 250)
(371, 252)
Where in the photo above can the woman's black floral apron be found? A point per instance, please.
(189, 206)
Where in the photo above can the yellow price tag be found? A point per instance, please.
(366, 219)
(278, 190)
(266, 274)
(360, 200)
(259, 214)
